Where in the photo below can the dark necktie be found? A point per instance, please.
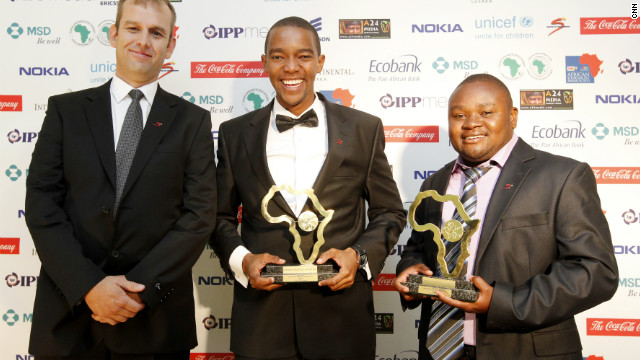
(284, 123)
(445, 337)
(128, 143)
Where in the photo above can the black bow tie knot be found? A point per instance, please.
(284, 123)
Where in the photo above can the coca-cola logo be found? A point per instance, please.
(609, 25)
(9, 245)
(227, 69)
(613, 327)
(384, 282)
(411, 133)
(10, 102)
(212, 356)
(617, 175)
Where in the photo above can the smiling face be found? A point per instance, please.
(481, 120)
(143, 41)
(292, 62)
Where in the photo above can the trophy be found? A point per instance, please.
(306, 271)
(450, 283)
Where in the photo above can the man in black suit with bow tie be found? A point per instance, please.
(304, 141)
(120, 203)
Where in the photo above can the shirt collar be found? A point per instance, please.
(498, 159)
(120, 89)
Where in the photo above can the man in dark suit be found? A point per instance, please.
(117, 249)
(543, 251)
(340, 155)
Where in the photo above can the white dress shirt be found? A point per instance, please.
(484, 189)
(120, 101)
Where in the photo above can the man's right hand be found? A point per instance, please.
(114, 300)
(252, 265)
(420, 269)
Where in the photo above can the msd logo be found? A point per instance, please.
(10, 102)
(384, 282)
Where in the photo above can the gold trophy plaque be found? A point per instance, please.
(308, 221)
(451, 283)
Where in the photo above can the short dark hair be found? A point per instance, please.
(294, 21)
(490, 79)
(156, 2)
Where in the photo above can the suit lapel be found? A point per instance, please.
(97, 111)
(509, 182)
(338, 128)
(163, 113)
(255, 141)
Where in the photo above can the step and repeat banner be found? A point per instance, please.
(573, 68)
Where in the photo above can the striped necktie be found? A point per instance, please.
(445, 337)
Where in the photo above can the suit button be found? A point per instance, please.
(106, 210)
(115, 254)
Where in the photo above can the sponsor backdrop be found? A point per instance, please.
(572, 68)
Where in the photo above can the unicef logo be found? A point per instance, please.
(12, 280)
(187, 96)
(629, 217)
(210, 32)
(526, 21)
(10, 317)
(387, 101)
(15, 31)
(13, 173)
(14, 136)
(440, 65)
(600, 131)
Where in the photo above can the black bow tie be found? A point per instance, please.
(284, 123)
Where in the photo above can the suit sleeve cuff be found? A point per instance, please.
(235, 264)
(367, 271)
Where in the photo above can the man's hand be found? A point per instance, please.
(252, 265)
(481, 306)
(347, 260)
(419, 269)
(110, 301)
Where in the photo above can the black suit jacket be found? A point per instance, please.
(545, 247)
(325, 324)
(165, 217)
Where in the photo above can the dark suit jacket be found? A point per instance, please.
(325, 324)
(545, 247)
(166, 215)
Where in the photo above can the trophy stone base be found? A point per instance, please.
(456, 289)
(284, 274)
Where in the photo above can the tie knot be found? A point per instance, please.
(309, 119)
(475, 173)
(136, 94)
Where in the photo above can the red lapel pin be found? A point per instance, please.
(507, 187)
(157, 124)
(339, 142)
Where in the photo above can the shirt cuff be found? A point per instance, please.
(235, 263)
(367, 271)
